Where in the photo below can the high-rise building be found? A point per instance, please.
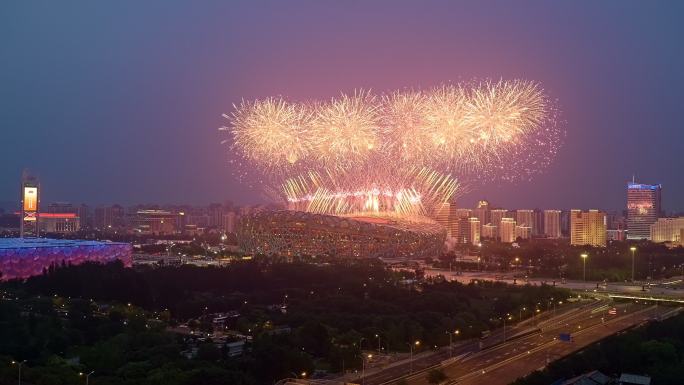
(616, 221)
(109, 217)
(442, 216)
(507, 230)
(538, 226)
(468, 230)
(496, 215)
(456, 228)
(565, 223)
(489, 231)
(552, 227)
(463, 213)
(229, 222)
(615, 235)
(30, 201)
(474, 232)
(667, 230)
(523, 232)
(83, 213)
(102, 218)
(481, 212)
(588, 228)
(525, 218)
(643, 209)
(450, 217)
(216, 213)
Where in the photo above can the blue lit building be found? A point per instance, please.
(25, 257)
(643, 209)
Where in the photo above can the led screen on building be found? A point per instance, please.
(30, 199)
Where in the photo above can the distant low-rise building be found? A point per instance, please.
(592, 378)
(62, 223)
(159, 222)
(616, 235)
(668, 230)
(633, 379)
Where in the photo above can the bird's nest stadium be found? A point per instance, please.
(289, 233)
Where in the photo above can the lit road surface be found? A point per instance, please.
(505, 363)
(544, 320)
(612, 287)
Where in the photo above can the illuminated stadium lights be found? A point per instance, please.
(296, 233)
(25, 257)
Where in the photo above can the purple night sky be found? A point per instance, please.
(121, 101)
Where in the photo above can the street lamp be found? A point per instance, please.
(504, 326)
(19, 364)
(363, 367)
(87, 376)
(584, 266)
(451, 347)
(633, 249)
(416, 343)
(378, 337)
(520, 314)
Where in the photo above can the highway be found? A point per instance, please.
(502, 363)
(672, 288)
(470, 346)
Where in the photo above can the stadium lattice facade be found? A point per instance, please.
(297, 233)
(24, 257)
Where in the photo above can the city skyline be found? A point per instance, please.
(341, 192)
(94, 144)
(15, 204)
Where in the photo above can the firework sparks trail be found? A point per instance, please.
(401, 153)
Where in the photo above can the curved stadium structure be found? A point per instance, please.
(299, 233)
(25, 257)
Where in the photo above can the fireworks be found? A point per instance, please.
(345, 131)
(397, 154)
(273, 132)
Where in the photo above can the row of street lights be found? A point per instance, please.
(21, 363)
(416, 343)
(369, 356)
(584, 256)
